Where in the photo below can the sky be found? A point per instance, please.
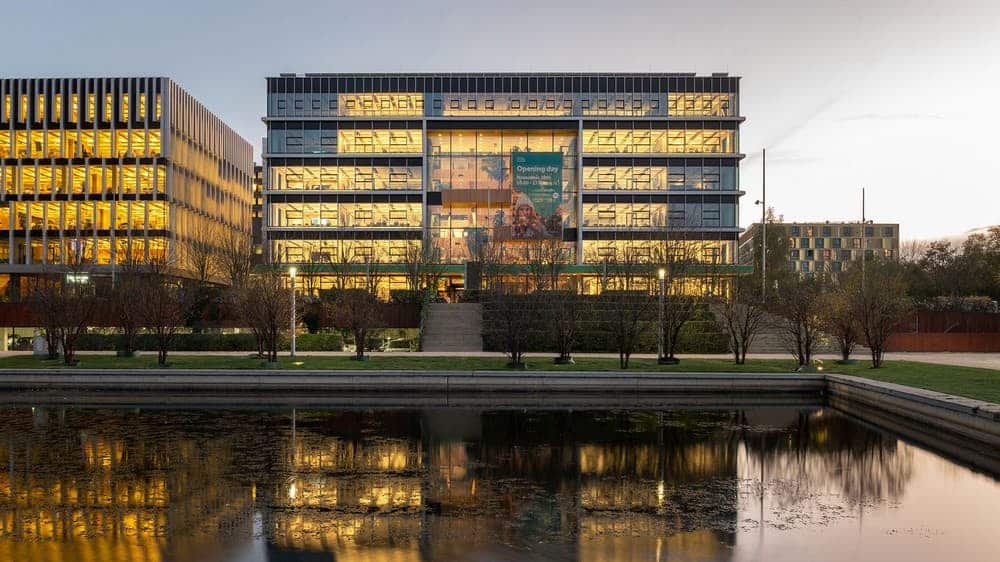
(901, 97)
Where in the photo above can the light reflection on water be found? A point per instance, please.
(213, 485)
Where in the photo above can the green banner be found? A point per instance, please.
(537, 184)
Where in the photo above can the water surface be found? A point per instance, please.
(790, 483)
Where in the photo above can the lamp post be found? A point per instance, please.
(291, 274)
(763, 247)
(662, 274)
(763, 223)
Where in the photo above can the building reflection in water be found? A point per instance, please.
(123, 485)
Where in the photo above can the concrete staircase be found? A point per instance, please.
(453, 327)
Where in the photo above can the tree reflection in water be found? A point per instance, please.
(810, 453)
(116, 484)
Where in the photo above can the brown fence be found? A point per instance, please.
(954, 342)
(930, 330)
(955, 322)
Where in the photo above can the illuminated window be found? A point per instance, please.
(40, 108)
(124, 107)
(23, 113)
(142, 105)
(57, 107)
(157, 108)
(74, 107)
(109, 107)
(6, 107)
(91, 107)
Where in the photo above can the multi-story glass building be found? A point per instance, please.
(362, 167)
(104, 170)
(827, 246)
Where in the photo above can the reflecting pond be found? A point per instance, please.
(785, 483)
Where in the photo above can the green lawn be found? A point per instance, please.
(983, 384)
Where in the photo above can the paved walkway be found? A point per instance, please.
(983, 360)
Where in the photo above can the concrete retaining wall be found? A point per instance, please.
(446, 382)
(936, 411)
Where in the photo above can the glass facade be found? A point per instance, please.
(104, 170)
(360, 167)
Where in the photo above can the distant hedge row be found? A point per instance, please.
(325, 341)
(699, 335)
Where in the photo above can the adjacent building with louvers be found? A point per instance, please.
(104, 170)
(828, 246)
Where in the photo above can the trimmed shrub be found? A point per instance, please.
(322, 341)
(406, 296)
(702, 334)
(212, 342)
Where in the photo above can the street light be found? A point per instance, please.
(763, 223)
(662, 274)
(763, 247)
(291, 274)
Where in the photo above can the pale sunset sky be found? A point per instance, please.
(899, 96)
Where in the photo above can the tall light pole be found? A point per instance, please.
(763, 223)
(291, 275)
(662, 274)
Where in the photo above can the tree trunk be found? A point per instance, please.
(359, 344)
(68, 353)
(876, 356)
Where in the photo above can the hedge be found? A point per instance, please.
(325, 341)
(702, 334)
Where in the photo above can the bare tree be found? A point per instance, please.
(201, 252)
(839, 320)
(163, 306)
(741, 306)
(128, 316)
(47, 303)
(800, 309)
(546, 259)
(879, 302)
(342, 270)
(234, 256)
(626, 316)
(678, 309)
(67, 304)
(491, 253)
(512, 317)
(912, 250)
(676, 259)
(627, 310)
(423, 267)
(372, 275)
(264, 303)
(567, 311)
(359, 311)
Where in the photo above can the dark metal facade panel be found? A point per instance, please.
(431, 83)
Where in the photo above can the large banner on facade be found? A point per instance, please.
(537, 191)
